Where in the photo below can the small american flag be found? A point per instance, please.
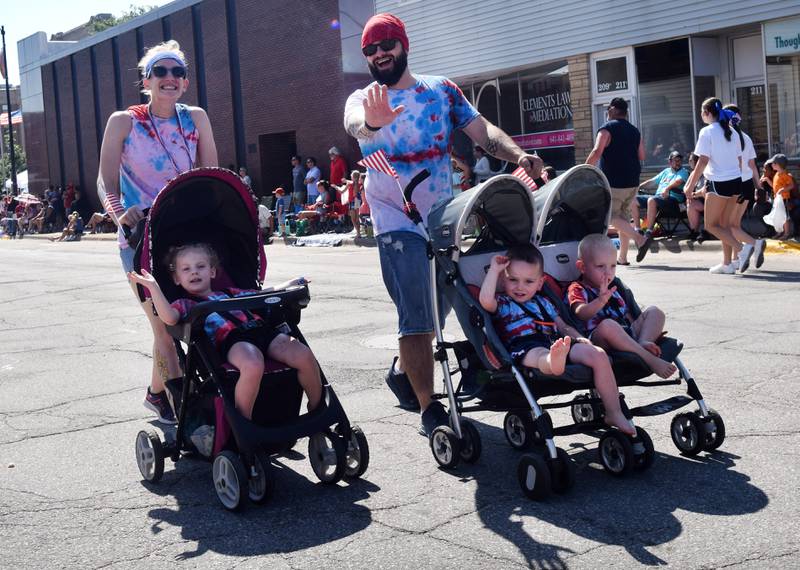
(522, 175)
(380, 162)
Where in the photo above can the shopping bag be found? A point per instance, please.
(777, 216)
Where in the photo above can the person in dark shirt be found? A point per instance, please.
(298, 184)
(618, 152)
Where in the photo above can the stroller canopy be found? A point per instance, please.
(505, 212)
(205, 205)
(575, 204)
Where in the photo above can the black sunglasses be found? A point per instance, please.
(178, 72)
(385, 45)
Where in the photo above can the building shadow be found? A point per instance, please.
(634, 512)
(301, 514)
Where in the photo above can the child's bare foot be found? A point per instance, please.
(619, 421)
(651, 347)
(661, 367)
(558, 355)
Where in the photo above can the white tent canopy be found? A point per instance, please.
(22, 182)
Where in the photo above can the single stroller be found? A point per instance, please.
(214, 206)
(555, 218)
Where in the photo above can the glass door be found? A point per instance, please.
(752, 102)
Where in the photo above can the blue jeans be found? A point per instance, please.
(126, 256)
(406, 274)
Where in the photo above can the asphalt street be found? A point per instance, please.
(75, 356)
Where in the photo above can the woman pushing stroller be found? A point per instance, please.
(241, 336)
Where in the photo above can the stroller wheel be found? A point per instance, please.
(327, 453)
(534, 476)
(562, 472)
(445, 446)
(644, 453)
(688, 433)
(357, 454)
(616, 453)
(470, 442)
(584, 412)
(715, 431)
(150, 455)
(230, 480)
(520, 430)
(261, 486)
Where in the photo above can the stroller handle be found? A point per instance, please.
(416, 181)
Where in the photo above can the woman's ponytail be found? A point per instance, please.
(732, 113)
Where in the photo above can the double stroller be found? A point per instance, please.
(214, 206)
(555, 218)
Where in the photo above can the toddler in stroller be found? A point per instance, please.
(235, 404)
(530, 326)
(555, 219)
(604, 312)
(241, 335)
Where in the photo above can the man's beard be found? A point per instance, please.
(390, 76)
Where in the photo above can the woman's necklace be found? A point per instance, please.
(183, 139)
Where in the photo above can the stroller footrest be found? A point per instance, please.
(662, 407)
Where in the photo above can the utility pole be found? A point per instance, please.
(10, 125)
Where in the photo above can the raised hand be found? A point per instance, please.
(499, 263)
(377, 111)
(604, 292)
(145, 279)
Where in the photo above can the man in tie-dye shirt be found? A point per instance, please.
(412, 118)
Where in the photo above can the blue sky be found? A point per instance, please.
(53, 16)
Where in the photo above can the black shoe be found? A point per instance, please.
(693, 235)
(643, 249)
(401, 388)
(434, 416)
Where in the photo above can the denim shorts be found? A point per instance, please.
(406, 274)
(126, 255)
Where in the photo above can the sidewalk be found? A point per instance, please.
(674, 245)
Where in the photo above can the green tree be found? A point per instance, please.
(98, 25)
(5, 161)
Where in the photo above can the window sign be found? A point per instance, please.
(782, 37)
(611, 75)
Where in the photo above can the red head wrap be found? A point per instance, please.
(384, 27)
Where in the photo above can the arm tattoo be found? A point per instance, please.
(492, 146)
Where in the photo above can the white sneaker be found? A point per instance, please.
(723, 269)
(744, 257)
(735, 263)
(759, 252)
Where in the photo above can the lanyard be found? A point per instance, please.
(183, 139)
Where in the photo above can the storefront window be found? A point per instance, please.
(783, 76)
(541, 119)
(509, 105)
(665, 95)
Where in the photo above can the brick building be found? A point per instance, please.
(272, 75)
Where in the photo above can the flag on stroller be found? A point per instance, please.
(380, 162)
(522, 175)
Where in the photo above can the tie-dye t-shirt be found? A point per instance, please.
(419, 138)
(145, 165)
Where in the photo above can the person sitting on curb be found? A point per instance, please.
(670, 183)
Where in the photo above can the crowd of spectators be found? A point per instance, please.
(60, 210)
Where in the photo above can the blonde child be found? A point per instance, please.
(244, 341)
(607, 317)
(534, 333)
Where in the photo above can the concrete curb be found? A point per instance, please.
(674, 245)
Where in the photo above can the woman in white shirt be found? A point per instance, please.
(720, 150)
(750, 181)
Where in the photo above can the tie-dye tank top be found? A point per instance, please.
(155, 151)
